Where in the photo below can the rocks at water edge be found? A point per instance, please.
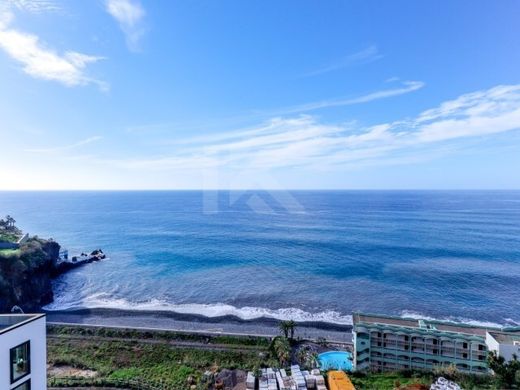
(26, 274)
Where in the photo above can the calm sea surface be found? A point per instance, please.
(309, 255)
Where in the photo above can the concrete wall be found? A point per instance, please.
(502, 349)
(491, 343)
(508, 350)
(34, 332)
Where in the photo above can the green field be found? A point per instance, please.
(8, 237)
(9, 252)
(167, 358)
(389, 380)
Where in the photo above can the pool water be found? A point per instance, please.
(335, 360)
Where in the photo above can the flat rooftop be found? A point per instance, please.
(11, 321)
(441, 326)
(505, 338)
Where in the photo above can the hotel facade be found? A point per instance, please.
(385, 343)
(23, 352)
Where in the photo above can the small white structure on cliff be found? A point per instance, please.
(23, 352)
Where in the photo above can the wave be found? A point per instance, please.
(459, 320)
(103, 301)
(100, 301)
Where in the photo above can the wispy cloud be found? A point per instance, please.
(305, 142)
(41, 62)
(258, 115)
(75, 145)
(129, 14)
(365, 56)
(406, 87)
(35, 6)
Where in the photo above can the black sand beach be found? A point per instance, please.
(197, 323)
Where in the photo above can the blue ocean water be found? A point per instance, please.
(305, 255)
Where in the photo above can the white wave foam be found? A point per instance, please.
(100, 300)
(511, 322)
(460, 320)
(104, 301)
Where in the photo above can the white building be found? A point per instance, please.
(504, 344)
(23, 352)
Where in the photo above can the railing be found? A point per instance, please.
(134, 384)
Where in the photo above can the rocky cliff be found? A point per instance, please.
(26, 275)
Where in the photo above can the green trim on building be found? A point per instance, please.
(410, 343)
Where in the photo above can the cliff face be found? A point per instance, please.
(26, 275)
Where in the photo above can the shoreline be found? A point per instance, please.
(195, 323)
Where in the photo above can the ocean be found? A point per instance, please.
(302, 255)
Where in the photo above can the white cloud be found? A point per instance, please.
(369, 54)
(258, 115)
(479, 113)
(6, 17)
(129, 14)
(305, 142)
(42, 62)
(35, 6)
(406, 87)
(65, 147)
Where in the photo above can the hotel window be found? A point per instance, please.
(24, 386)
(20, 362)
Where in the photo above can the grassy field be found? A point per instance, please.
(389, 380)
(9, 252)
(156, 357)
(8, 237)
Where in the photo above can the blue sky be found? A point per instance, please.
(129, 94)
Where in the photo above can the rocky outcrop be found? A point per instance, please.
(26, 275)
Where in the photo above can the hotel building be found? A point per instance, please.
(384, 343)
(23, 352)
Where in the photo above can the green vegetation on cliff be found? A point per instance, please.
(8, 236)
(10, 252)
(8, 230)
(25, 274)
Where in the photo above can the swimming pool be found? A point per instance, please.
(335, 360)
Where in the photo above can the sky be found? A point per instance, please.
(136, 94)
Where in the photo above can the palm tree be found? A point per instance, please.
(292, 326)
(506, 371)
(10, 221)
(281, 349)
(284, 328)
